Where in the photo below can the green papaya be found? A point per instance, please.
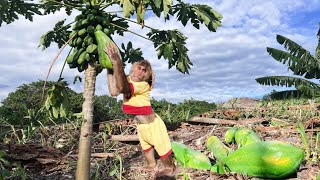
(98, 27)
(219, 150)
(94, 11)
(244, 136)
(79, 42)
(72, 33)
(90, 17)
(266, 159)
(105, 22)
(106, 31)
(81, 58)
(91, 48)
(77, 26)
(103, 41)
(87, 57)
(78, 53)
(82, 32)
(85, 22)
(189, 157)
(79, 17)
(72, 65)
(70, 58)
(230, 135)
(90, 29)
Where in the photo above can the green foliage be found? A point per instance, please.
(11, 9)
(196, 107)
(170, 45)
(310, 144)
(130, 54)
(50, 6)
(174, 113)
(26, 97)
(24, 106)
(283, 95)
(57, 102)
(300, 62)
(107, 108)
(197, 14)
(59, 35)
(4, 172)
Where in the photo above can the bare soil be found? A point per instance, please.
(41, 161)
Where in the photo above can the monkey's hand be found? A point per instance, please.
(112, 53)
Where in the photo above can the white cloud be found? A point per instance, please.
(226, 62)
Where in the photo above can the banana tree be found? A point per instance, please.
(94, 16)
(301, 63)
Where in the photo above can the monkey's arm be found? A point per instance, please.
(114, 91)
(117, 80)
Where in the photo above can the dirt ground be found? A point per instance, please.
(43, 162)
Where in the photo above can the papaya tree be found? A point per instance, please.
(94, 16)
(301, 63)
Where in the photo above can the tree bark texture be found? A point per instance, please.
(83, 163)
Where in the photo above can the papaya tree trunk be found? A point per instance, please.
(83, 164)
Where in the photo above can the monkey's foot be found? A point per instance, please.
(169, 172)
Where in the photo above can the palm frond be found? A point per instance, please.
(302, 85)
(293, 48)
(302, 64)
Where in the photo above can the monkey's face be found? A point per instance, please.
(138, 73)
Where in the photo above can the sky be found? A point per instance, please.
(225, 63)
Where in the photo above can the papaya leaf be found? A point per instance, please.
(157, 3)
(57, 102)
(77, 78)
(127, 8)
(168, 50)
(166, 7)
(306, 87)
(170, 45)
(198, 13)
(59, 35)
(55, 112)
(156, 7)
(9, 10)
(54, 6)
(130, 54)
(141, 11)
(120, 25)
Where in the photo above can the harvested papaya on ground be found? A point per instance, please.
(245, 136)
(103, 41)
(218, 168)
(230, 134)
(265, 159)
(219, 150)
(188, 157)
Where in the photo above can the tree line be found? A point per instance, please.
(25, 106)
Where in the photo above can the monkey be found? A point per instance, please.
(136, 87)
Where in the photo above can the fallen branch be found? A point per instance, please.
(212, 121)
(124, 137)
(96, 155)
(102, 155)
(279, 120)
(226, 122)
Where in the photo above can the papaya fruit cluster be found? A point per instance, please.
(84, 43)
